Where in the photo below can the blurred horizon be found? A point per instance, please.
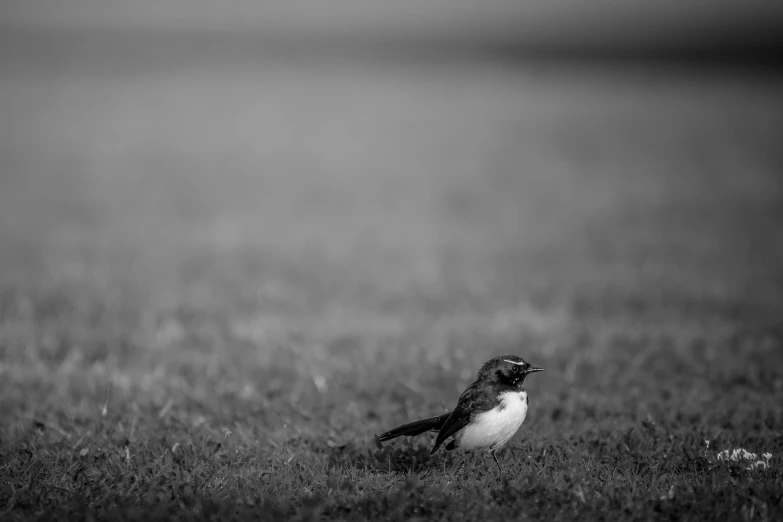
(159, 135)
(718, 31)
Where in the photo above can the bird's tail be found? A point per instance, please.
(416, 428)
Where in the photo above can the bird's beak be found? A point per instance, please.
(533, 369)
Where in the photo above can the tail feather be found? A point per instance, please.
(416, 428)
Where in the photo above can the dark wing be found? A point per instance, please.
(473, 400)
(458, 419)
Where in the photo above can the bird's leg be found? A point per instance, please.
(497, 462)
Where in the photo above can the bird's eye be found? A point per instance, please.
(515, 369)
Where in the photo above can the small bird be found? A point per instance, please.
(488, 414)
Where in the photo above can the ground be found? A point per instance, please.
(220, 278)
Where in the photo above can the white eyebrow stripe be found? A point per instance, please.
(513, 362)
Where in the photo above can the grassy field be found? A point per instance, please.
(220, 279)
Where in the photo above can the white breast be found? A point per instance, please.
(494, 428)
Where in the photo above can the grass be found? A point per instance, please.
(218, 284)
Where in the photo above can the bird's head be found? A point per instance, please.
(509, 369)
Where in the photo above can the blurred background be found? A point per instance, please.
(361, 182)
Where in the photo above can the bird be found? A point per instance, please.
(488, 413)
